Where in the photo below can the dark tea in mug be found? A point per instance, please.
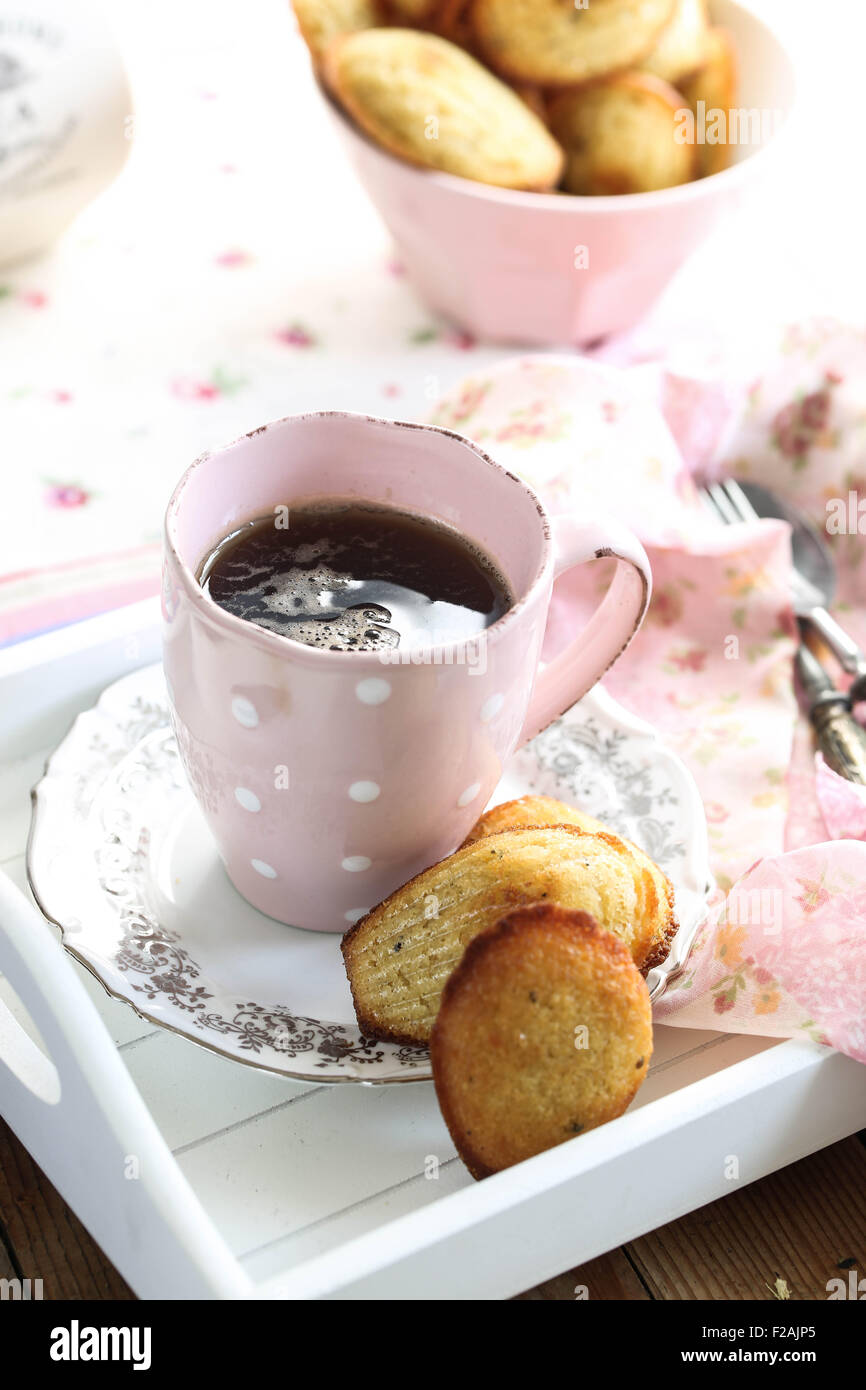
(356, 576)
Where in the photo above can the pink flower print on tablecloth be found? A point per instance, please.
(66, 495)
(234, 258)
(295, 335)
(460, 339)
(219, 383)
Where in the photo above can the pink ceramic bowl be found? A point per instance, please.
(510, 267)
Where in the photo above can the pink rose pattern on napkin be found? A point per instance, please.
(785, 954)
(803, 433)
(842, 803)
(711, 668)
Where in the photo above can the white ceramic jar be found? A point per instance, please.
(65, 118)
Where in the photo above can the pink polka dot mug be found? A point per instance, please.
(328, 778)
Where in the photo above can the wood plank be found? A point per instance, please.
(7, 1268)
(612, 1277)
(803, 1224)
(47, 1240)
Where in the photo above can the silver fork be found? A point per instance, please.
(728, 502)
(813, 577)
(841, 739)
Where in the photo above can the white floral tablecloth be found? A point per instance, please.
(235, 272)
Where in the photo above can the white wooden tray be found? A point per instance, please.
(200, 1178)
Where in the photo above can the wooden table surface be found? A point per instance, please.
(805, 1225)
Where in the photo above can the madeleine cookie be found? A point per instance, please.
(682, 46)
(544, 1032)
(427, 101)
(411, 12)
(623, 135)
(399, 956)
(534, 98)
(546, 810)
(532, 810)
(453, 21)
(557, 43)
(320, 21)
(715, 84)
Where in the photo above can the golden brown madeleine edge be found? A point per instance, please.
(659, 950)
(306, 15)
(642, 86)
(546, 145)
(372, 1027)
(543, 916)
(520, 74)
(529, 810)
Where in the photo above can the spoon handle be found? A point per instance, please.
(842, 741)
(843, 647)
(840, 738)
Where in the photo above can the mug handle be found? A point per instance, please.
(610, 629)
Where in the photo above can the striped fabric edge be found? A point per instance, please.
(39, 600)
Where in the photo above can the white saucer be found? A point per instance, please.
(121, 860)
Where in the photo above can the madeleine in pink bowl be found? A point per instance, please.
(557, 268)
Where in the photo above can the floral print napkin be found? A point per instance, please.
(783, 952)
